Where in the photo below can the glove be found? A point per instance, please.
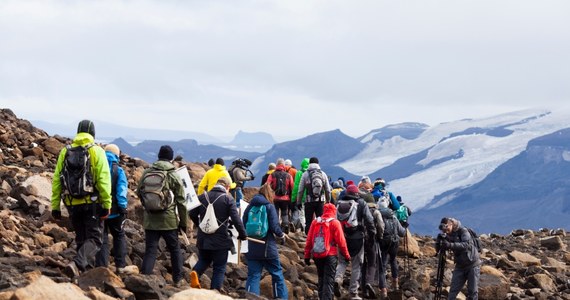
(307, 261)
(445, 245)
(182, 229)
(405, 224)
(104, 213)
(252, 177)
(56, 214)
(347, 260)
(242, 237)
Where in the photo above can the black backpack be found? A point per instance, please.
(390, 227)
(280, 183)
(476, 239)
(75, 175)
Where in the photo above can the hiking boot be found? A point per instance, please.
(395, 285)
(354, 296)
(71, 270)
(194, 280)
(179, 283)
(336, 289)
(369, 291)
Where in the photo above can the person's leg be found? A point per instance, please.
(220, 261)
(393, 252)
(102, 257)
(320, 264)
(371, 264)
(356, 263)
(93, 230)
(473, 283)
(119, 241)
(273, 267)
(457, 281)
(151, 238)
(328, 276)
(254, 269)
(309, 211)
(173, 245)
(382, 265)
(319, 209)
(204, 261)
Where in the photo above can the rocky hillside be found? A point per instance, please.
(35, 249)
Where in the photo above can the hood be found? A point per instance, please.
(258, 200)
(82, 139)
(163, 165)
(112, 157)
(313, 166)
(219, 168)
(304, 164)
(280, 168)
(329, 211)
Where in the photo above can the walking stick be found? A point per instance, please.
(407, 257)
(440, 272)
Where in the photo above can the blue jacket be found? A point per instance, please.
(269, 250)
(122, 185)
(377, 193)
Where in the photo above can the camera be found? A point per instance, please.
(440, 238)
(442, 226)
(242, 162)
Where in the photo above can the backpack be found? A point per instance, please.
(75, 175)
(114, 182)
(347, 214)
(476, 240)
(316, 184)
(384, 200)
(390, 227)
(209, 224)
(155, 193)
(402, 213)
(280, 183)
(257, 224)
(322, 238)
(231, 171)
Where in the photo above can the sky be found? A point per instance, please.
(289, 68)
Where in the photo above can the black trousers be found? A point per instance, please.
(88, 233)
(326, 269)
(311, 208)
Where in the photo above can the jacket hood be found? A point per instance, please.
(280, 168)
(313, 166)
(219, 168)
(258, 200)
(329, 211)
(112, 157)
(304, 164)
(163, 165)
(83, 138)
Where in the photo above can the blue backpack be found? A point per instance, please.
(257, 224)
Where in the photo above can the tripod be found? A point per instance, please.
(440, 272)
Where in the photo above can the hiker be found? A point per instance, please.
(315, 182)
(384, 197)
(372, 255)
(457, 238)
(393, 230)
(357, 222)
(331, 237)
(213, 248)
(282, 184)
(337, 188)
(270, 169)
(88, 204)
(403, 213)
(343, 192)
(164, 222)
(240, 173)
(211, 162)
(114, 223)
(289, 168)
(297, 212)
(260, 256)
(211, 177)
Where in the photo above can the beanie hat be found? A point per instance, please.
(211, 162)
(352, 189)
(165, 153)
(350, 182)
(87, 127)
(336, 184)
(280, 161)
(113, 149)
(219, 161)
(313, 160)
(288, 162)
(379, 181)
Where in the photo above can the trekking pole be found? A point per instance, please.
(255, 240)
(407, 257)
(440, 272)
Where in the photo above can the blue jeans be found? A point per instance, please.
(113, 226)
(218, 259)
(273, 266)
(388, 256)
(152, 237)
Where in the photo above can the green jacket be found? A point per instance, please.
(99, 169)
(176, 213)
(304, 166)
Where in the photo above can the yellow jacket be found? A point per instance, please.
(211, 177)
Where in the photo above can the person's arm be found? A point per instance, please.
(310, 240)
(102, 175)
(122, 187)
(367, 218)
(301, 187)
(338, 236)
(203, 184)
(273, 220)
(395, 202)
(463, 245)
(56, 182)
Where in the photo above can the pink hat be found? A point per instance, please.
(352, 189)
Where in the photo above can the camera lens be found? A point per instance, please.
(441, 226)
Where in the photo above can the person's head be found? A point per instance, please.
(211, 162)
(380, 183)
(113, 149)
(288, 163)
(447, 225)
(271, 166)
(280, 162)
(313, 160)
(165, 153)
(399, 198)
(365, 179)
(225, 182)
(352, 190)
(219, 161)
(350, 182)
(87, 127)
(336, 184)
(267, 192)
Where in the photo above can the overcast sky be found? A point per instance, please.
(290, 68)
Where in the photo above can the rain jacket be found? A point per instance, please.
(465, 253)
(269, 250)
(120, 196)
(298, 175)
(99, 170)
(169, 219)
(336, 234)
(377, 192)
(211, 178)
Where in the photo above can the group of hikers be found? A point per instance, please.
(344, 223)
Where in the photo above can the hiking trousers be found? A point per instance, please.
(218, 259)
(273, 267)
(237, 193)
(355, 270)
(113, 226)
(471, 275)
(388, 256)
(88, 233)
(282, 208)
(312, 208)
(326, 269)
(152, 237)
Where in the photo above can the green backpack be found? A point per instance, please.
(257, 224)
(402, 213)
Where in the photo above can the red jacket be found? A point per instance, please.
(337, 234)
(289, 184)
